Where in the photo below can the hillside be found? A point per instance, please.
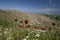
(32, 18)
(22, 23)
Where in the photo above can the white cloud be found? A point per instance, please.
(42, 10)
(50, 1)
(45, 10)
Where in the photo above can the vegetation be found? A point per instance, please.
(20, 28)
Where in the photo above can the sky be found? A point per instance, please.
(31, 5)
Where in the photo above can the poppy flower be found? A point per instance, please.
(15, 20)
(21, 21)
(26, 21)
(53, 24)
(43, 28)
(36, 27)
(28, 26)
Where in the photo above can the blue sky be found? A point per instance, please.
(31, 5)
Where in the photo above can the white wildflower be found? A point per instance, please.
(10, 29)
(36, 39)
(38, 30)
(33, 39)
(26, 36)
(6, 29)
(9, 38)
(31, 24)
(32, 21)
(16, 25)
(24, 39)
(58, 28)
(5, 32)
(39, 23)
(37, 35)
(31, 31)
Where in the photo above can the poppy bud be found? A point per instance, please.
(43, 28)
(21, 21)
(53, 24)
(36, 27)
(15, 20)
(28, 26)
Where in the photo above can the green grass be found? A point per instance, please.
(21, 33)
(9, 30)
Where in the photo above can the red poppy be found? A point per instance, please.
(43, 28)
(36, 27)
(28, 26)
(15, 20)
(21, 21)
(26, 21)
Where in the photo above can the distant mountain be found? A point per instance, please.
(54, 13)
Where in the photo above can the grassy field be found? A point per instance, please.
(20, 27)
